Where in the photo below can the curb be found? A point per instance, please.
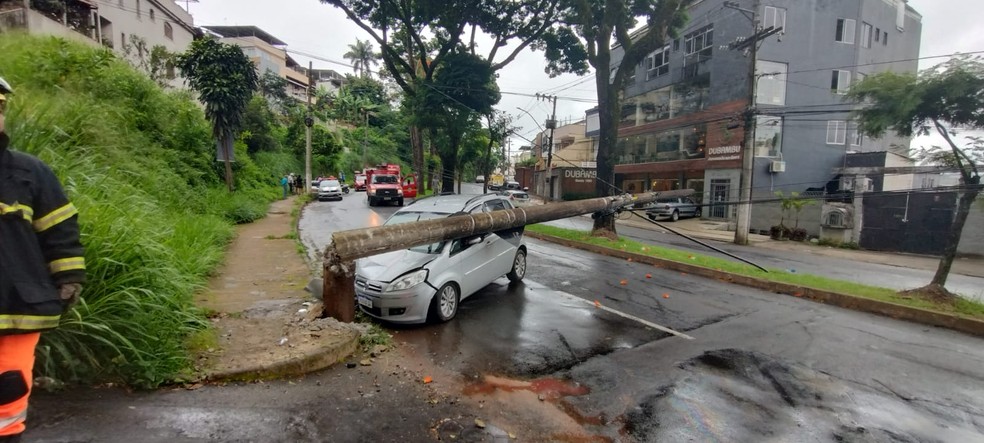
(296, 366)
(887, 309)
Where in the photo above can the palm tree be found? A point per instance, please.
(362, 57)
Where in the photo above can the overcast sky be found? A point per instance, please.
(312, 27)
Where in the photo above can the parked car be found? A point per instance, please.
(426, 283)
(480, 179)
(513, 185)
(329, 189)
(673, 207)
(518, 198)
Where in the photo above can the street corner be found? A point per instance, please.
(266, 344)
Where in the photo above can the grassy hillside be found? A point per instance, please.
(138, 162)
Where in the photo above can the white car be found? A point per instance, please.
(518, 198)
(426, 283)
(329, 189)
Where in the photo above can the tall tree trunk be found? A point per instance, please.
(967, 198)
(417, 146)
(608, 104)
(449, 158)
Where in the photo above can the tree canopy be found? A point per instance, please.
(950, 94)
(584, 36)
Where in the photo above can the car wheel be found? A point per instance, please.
(675, 215)
(697, 213)
(651, 217)
(518, 270)
(371, 202)
(444, 305)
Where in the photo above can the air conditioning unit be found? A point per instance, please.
(777, 166)
(846, 184)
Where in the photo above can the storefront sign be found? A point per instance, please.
(732, 152)
(580, 175)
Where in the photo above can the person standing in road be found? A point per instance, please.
(42, 269)
(284, 184)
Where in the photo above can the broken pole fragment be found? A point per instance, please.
(338, 289)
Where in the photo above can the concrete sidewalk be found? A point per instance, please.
(713, 230)
(265, 321)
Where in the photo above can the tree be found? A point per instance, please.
(274, 89)
(940, 98)
(500, 127)
(416, 35)
(585, 35)
(225, 80)
(363, 58)
(463, 89)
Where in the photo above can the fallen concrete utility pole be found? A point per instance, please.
(338, 291)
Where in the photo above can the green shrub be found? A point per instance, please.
(139, 163)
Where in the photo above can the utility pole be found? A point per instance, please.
(748, 150)
(308, 123)
(551, 125)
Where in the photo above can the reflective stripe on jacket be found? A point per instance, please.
(40, 248)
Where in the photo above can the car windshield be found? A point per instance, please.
(408, 217)
(360, 178)
(385, 179)
(330, 184)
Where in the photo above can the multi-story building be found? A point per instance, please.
(572, 171)
(268, 54)
(131, 28)
(328, 80)
(683, 113)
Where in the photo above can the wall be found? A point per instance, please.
(768, 214)
(972, 239)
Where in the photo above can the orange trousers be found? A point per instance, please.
(16, 354)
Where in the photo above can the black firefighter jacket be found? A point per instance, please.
(40, 247)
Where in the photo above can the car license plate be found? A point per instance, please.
(365, 301)
(386, 198)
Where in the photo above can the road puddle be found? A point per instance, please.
(545, 388)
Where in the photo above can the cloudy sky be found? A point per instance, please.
(320, 30)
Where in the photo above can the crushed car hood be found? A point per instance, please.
(387, 267)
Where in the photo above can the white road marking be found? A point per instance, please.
(630, 317)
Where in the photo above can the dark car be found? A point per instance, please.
(673, 207)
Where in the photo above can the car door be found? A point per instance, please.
(691, 207)
(502, 244)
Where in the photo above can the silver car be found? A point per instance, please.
(673, 207)
(426, 283)
(329, 189)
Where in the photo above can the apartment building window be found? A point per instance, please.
(151, 15)
(877, 34)
(885, 38)
(768, 136)
(840, 81)
(775, 17)
(836, 132)
(771, 87)
(865, 35)
(858, 137)
(659, 63)
(700, 41)
(845, 30)
(138, 9)
(168, 31)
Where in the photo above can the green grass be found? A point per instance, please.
(963, 306)
(154, 211)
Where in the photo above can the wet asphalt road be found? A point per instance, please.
(885, 379)
(760, 367)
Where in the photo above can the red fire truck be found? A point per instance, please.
(385, 183)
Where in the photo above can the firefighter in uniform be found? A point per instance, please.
(41, 269)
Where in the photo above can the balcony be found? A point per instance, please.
(74, 19)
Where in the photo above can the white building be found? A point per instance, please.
(268, 53)
(131, 28)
